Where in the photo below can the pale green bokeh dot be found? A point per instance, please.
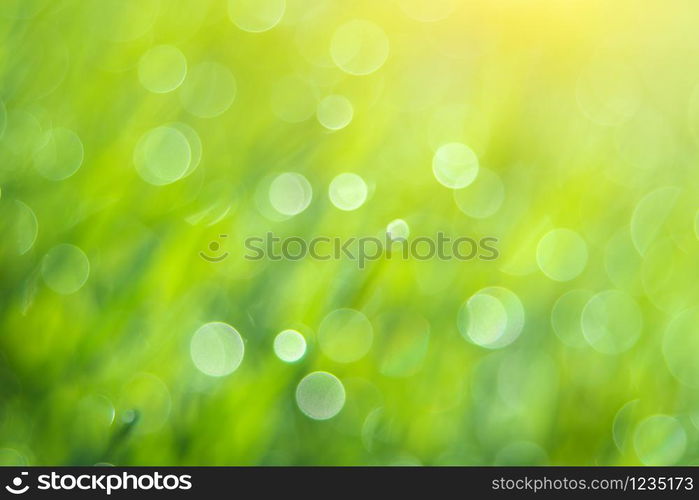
(162, 156)
(195, 145)
(622, 425)
(59, 154)
(650, 215)
(320, 395)
(334, 112)
(398, 229)
(561, 254)
(25, 226)
(483, 197)
(217, 349)
(680, 347)
(256, 16)
(289, 346)
(359, 47)
(622, 261)
(455, 165)
(345, 335)
(665, 277)
(65, 268)
(348, 191)
(91, 422)
(492, 318)
(290, 193)
(374, 429)
(263, 202)
(99, 407)
(566, 314)
(608, 92)
(23, 133)
(145, 401)
(209, 90)
(660, 440)
(611, 322)
(293, 99)
(162, 69)
(486, 318)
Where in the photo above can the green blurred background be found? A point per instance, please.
(134, 133)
